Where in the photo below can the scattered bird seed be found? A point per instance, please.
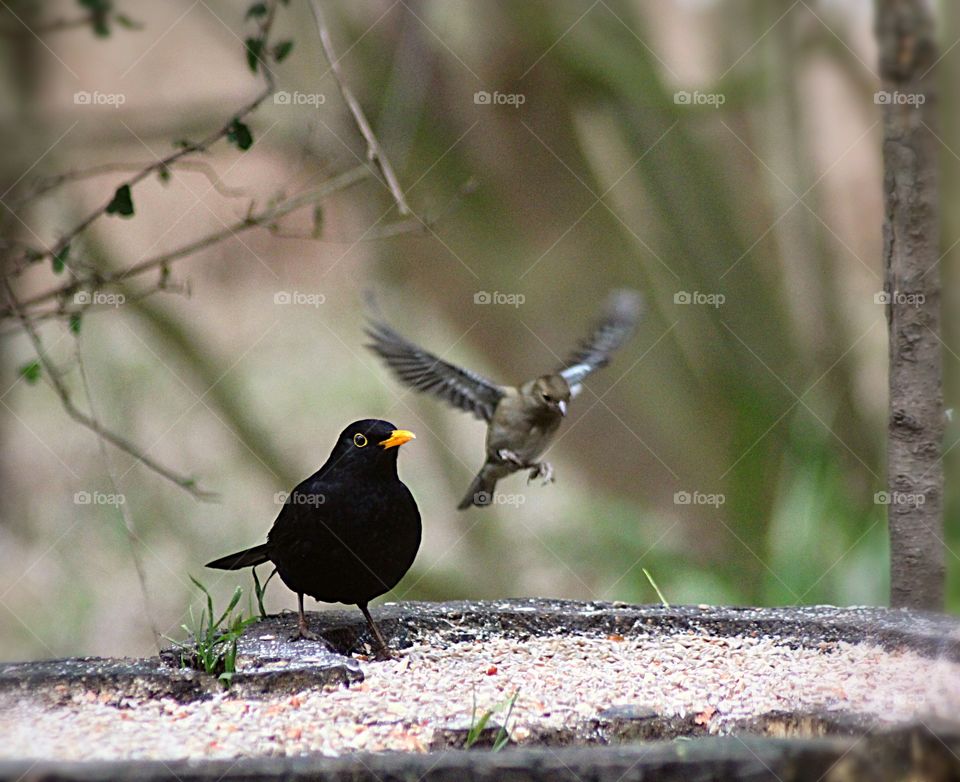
(563, 682)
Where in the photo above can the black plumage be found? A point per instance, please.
(349, 532)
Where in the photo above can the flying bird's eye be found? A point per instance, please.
(359, 440)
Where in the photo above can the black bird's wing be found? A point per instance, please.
(619, 318)
(424, 371)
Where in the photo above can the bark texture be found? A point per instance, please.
(908, 54)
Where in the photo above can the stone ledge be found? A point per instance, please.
(306, 688)
(932, 635)
(269, 662)
(917, 753)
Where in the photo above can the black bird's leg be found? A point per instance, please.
(383, 653)
(302, 630)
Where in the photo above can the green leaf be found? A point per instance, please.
(99, 12)
(97, 6)
(30, 371)
(281, 50)
(163, 173)
(256, 10)
(122, 203)
(60, 259)
(126, 22)
(503, 737)
(75, 320)
(254, 49)
(239, 134)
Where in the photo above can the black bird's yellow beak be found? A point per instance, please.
(398, 437)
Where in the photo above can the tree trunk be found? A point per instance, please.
(908, 52)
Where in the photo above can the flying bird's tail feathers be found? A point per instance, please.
(250, 557)
(481, 490)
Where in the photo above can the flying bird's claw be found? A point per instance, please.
(509, 456)
(541, 470)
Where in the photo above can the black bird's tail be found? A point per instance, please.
(481, 490)
(250, 557)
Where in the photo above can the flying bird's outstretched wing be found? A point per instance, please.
(424, 371)
(619, 318)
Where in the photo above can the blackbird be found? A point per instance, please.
(349, 532)
(522, 420)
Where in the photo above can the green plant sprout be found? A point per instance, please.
(259, 590)
(656, 588)
(477, 726)
(212, 643)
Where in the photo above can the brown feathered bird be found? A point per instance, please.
(523, 419)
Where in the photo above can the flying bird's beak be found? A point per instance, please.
(562, 406)
(398, 437)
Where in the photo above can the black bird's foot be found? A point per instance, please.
(511, 458)
(383, 651)
(304, 633)
(542, 470)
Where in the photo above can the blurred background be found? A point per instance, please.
(722, 156)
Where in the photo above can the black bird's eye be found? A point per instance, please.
(359, 440)
(547, 398)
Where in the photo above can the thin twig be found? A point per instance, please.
(52, 373)
(54, 26)
(132, 538)
(167, 162)
(44, 186)
(374, 150)
(264, 217)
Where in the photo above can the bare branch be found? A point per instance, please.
(374, 150)
(167, 162)
(261, 218)
(52, 373)
(123, 508)
(44, 186)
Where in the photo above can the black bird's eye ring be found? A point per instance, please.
(547, 398)
(359, 440)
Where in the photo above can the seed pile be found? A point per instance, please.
(563, 682)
